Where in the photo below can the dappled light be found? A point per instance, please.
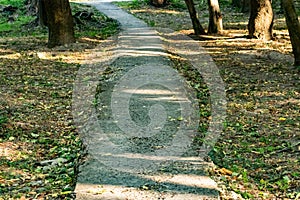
(146, 109)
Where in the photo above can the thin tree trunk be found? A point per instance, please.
(215, 17)
(293, 25)
(59, 22)
(261, 19)
(199, 30)
(41, 13)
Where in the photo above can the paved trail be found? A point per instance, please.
(139, 133)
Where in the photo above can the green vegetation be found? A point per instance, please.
(19, 19)
(15, 3)
(24, 25)
(99, 26)
(39, 145)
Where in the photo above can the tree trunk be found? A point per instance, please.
(293, 25)
(261, 19)
(158, 3)
(215, 17)
(59, 22)
(199, 30)
(41, 13)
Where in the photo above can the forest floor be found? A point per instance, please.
(39, 144)
(257, 155)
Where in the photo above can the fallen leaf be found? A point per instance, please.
(225, 171)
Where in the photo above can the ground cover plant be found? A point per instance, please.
(39, 144)
(258, 154)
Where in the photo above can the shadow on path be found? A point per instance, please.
(138, 117)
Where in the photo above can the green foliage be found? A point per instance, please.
(177, 4)
(225, 3)
(3, 119)
(134, 4)
(16, 27)
(15, 3)
(99, 26)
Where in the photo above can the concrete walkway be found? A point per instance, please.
(138, 122)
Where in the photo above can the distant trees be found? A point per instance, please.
(260, 23)
(293, 25)
(244, 5)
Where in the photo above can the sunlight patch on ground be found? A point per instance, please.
(11, 56)
(156, 11)
(64, 57)
(11, 151)
(187, 180)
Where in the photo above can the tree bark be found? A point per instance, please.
(198, 29)
(215, 17)
(293, 25)
(41, 13)
(158, 3)
(59, 21)
(261, 19)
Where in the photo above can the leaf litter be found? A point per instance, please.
(39, 145)
(258, 154)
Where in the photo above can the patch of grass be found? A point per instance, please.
(16, 26)
(18, 17)
(177, 4)
(99, 26)
(135, 4)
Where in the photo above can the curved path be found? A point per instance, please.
(138, 132)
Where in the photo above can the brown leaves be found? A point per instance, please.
(225, 171)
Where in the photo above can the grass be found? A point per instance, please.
(39, 144)
(17, 3)
(19, 16)
(99, 27)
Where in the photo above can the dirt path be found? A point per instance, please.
(138, 117)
